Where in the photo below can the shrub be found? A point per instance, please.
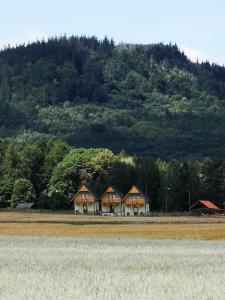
(22, 192)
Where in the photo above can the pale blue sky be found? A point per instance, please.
(197, 26)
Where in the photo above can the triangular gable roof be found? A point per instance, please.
(86, 188)
(111, 189)
(135, 190)
(206, 203)
(24, 205)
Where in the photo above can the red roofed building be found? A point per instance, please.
(204, 206)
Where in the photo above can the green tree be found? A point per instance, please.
(22, 192)
(121, 175)
(56, 200)
(78, 166)
(149, 179)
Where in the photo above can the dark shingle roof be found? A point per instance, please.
(89, 189)
(114, 189)
(24, 205)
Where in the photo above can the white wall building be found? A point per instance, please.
(85, 201)
(134, 203)
(111, 201)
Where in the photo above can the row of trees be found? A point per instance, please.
(50, 172)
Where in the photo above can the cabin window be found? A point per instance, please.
(84, 195)
(135, 197)
(135, 211)
(111, 196)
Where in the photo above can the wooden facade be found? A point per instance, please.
(111, 201)
(134, 203)
(85, 201)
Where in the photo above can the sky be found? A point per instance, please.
(196, 26)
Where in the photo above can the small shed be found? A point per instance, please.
(204, 206)
(25, 205)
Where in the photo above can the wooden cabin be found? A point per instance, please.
(204, 207)
(85, 201)
(111, 201)
(134, 203)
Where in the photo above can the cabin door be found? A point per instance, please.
(111, 209)
(135, 211)
(85, 209)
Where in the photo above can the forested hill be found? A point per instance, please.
(145, 99)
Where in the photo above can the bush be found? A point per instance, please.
(45, 201)
(56, 201)
(22, 192)
(60, 201)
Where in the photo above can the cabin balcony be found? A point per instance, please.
(84, 201)
(134, 203)
(111, 202)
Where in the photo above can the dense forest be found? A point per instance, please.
(50, 172)
(148, 100)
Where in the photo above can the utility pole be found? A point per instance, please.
(167, 189)
(166, 201)
(146, 191)
(189, 202)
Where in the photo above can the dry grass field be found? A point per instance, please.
(97, 269)
(63, 256)
(157, 231)
(69, 225)
(70, 218)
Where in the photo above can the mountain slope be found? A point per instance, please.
(146, 99)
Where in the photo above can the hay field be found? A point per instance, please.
(83, 268)
(69, 225)
(149, 231)
(71, 218)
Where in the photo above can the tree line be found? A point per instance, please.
(49, 173)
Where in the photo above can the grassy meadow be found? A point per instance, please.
(120, 268)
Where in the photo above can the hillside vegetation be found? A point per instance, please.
(146, 99)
